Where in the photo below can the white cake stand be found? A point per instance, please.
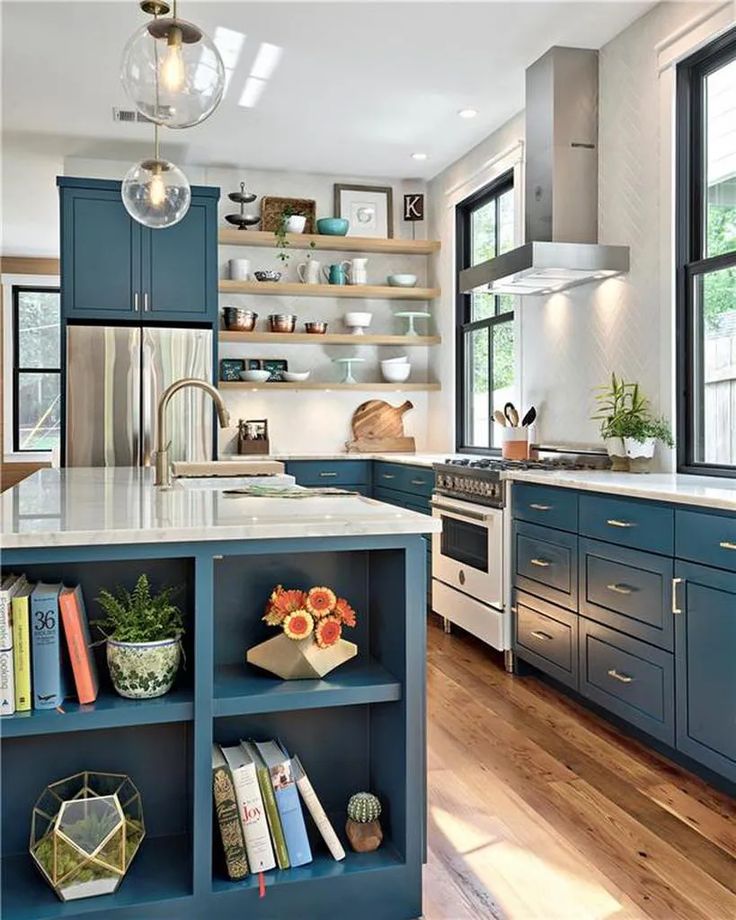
(411, 315)
(348, 362)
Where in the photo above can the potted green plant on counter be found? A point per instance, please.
(641, 434)
(143, 634)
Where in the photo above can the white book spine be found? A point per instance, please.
(319, 816)
(7, 683)
(253, 818)
(6, 621)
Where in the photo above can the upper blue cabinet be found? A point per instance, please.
(115, 269)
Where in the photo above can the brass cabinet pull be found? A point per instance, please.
(675, 583)
(388, 476)
(417, 482)
(537, 507)
(327, 475)
(727, 544)
(538, 634)
(136, 298)
(542, 563)
(621, 589)
(624, 678)
(613, 522)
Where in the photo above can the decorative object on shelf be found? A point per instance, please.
(267, 276)
(348, 365)
(411, 315)
(290, 221)
(363, 828)
(255, 375)
(369, 209)
(85, 831)
(335, 273)
(357, 322)
(296, 376)
(155, 192)
(311, 644)
(413, 210)
(231, 368)
(394, 371)
(274, 210)
(242, 220)
(315, 328)
(379, 427)
(357, 271)
(238, 319)
(143, 633)
(282, 322)
(276, 368)
(172, 72)
(294, 223)
(238, 269)
(253, 436)
(333, 226)
(309, 272)
(404, 279)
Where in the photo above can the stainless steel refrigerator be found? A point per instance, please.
(114, 378)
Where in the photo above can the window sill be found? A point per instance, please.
(31, 456)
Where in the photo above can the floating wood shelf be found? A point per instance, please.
(265, 238)
(325, 385)
(359, 291)
(330, 338)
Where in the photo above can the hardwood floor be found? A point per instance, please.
(540, 810)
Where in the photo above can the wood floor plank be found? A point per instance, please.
(715, 826)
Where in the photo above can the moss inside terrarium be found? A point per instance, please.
(75, 866)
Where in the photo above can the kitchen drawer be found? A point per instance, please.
(390, 496)
(708, 538)
(629, 678)
(416, 480)
(639, 524)
(628, 590)
(546, 563)
(545, 505)
(330, 472)
(487, 623)
(547, 637)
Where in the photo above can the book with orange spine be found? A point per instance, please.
(76, 630)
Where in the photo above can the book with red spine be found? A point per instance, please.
(76, 630)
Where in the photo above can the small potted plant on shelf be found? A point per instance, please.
(363, 828)
(289, 222)
(143, 634)
(641, 434)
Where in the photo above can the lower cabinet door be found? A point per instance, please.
(547, 637)
(705, 651)
(545, 563)
(629, 678)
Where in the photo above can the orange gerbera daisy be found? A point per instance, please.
(298, 624)
(327, 631)
(283, 602)
(345, 612)
(321, 601)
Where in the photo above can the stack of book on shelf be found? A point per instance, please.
(34, 657)
(256, 786)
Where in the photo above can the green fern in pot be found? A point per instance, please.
(143, 632)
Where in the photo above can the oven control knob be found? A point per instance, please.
(461, 577)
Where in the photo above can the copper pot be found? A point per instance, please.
(240, 320)
(282, 322)
(315, 328)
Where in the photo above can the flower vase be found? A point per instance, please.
(300, 659)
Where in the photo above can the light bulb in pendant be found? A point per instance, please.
(172, 69)
(156, 193)
(157, 190)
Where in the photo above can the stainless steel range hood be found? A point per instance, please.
(561, 186)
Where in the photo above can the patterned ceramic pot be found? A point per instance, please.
(143, 670)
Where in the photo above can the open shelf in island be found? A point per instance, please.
(329, 338)
(353, 291)
(298, 241)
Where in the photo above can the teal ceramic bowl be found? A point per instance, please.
(333, 226)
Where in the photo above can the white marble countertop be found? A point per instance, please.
(705, 491)
(84, 506)
(422, 459)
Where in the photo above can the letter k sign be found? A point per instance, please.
(413, 207)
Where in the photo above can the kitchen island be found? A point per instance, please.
(362, 727)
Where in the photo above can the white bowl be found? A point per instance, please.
(395, 373)
(295, 376)
(358, 320)
(402, 280)
(255, 376)
(402, 359)
(295, 224)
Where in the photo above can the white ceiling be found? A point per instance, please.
(359, 86)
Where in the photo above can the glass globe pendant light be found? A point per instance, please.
(155, 192)
(171, 70)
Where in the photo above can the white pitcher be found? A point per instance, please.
(309, 272)
(357, 271)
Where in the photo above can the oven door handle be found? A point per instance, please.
(461, 513)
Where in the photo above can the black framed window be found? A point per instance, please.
(36, 368)
(485, 321)
(706, 257)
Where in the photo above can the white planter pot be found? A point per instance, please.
(639, 450)
(143, 670)
(295, 224)
(617, 452)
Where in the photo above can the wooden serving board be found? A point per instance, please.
(382, 446)
(378, 419)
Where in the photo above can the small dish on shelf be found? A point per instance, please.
(411, 315)
(402, 280)
(295, 376)
(395, 371)
(315, 328)
(348, 363)
(333, 226)
(267, 276)
(255, 376)
(358, 322)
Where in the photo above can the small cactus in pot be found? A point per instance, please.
(363, 827)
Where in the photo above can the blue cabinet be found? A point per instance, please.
(547, 636)
(546, 563)
(705, 655)
(354, 475)
(628, 522)
(115, 269)
(546, 505)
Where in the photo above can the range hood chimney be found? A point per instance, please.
(561, 187)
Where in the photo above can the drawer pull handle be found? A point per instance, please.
(420, 482)
(727, 544)
(614, 522)
(624, 678)
(621, 589)
(538, 634)
(537, 507)
(541, 563)
(327, 475)
(675, 607)
(388, 476)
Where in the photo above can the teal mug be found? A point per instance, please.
(336, 273)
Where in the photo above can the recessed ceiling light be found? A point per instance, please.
(419, 156)
(467, 113)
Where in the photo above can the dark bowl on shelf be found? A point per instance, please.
(267, 276)
(242, 222)
(315, 328)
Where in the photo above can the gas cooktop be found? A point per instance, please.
(499, 464)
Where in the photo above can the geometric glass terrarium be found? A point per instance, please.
(86, 829)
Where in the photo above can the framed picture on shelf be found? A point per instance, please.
(276, 368)
(230, 368)
(369, 208)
